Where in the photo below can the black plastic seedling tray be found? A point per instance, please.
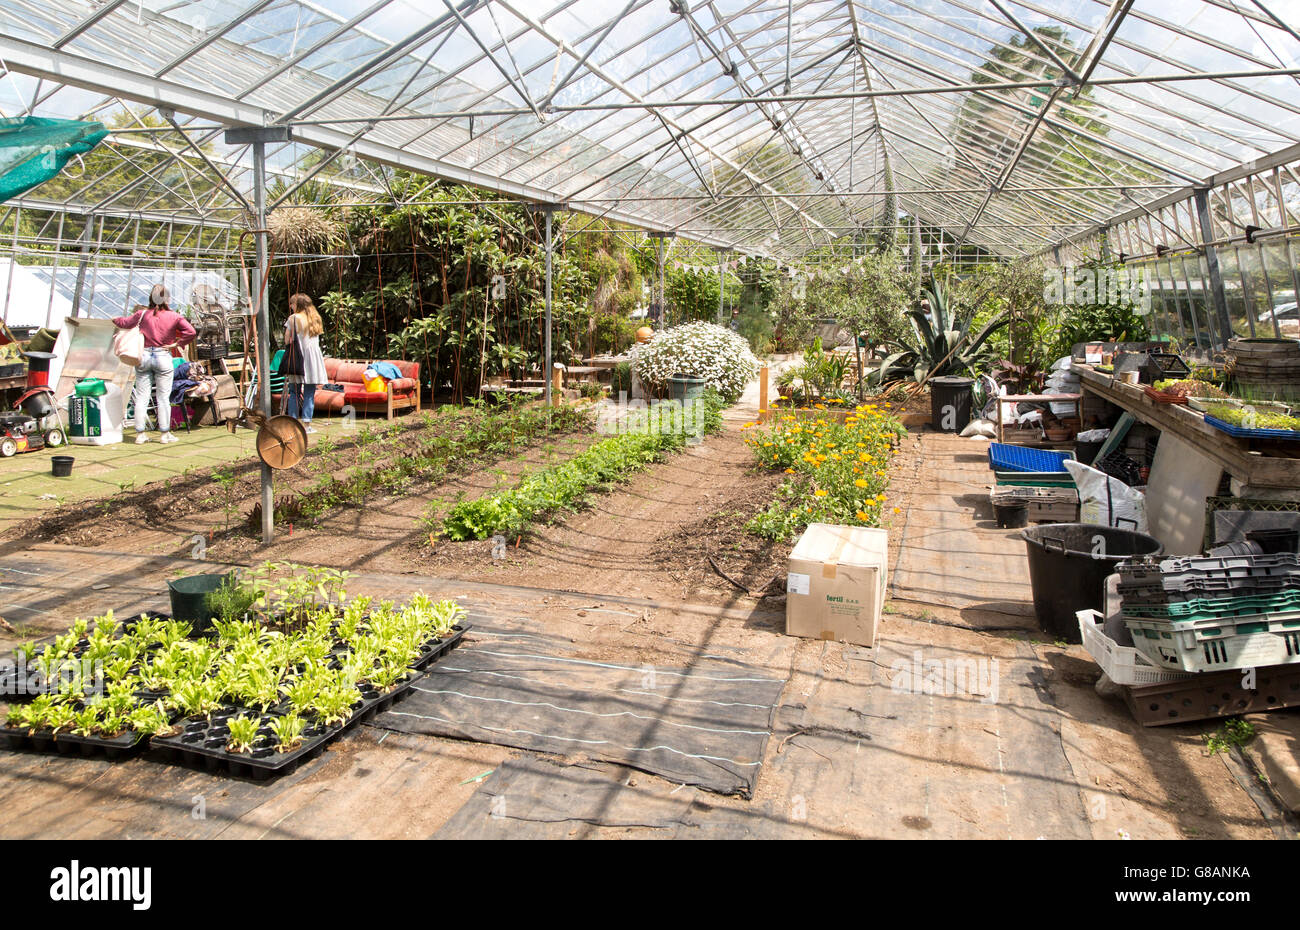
(72, 745)
(16, 689)
(435, 649)
(201, 744)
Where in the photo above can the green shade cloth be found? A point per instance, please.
(34, 149)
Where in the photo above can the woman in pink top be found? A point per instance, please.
(163, 329)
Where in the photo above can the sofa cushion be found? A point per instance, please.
(359, 395)
(348, 372)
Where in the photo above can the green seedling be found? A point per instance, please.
(288, 731)
(86, 721)
(152, 719)
(1233, 732)
(334, 705)
(243, 732)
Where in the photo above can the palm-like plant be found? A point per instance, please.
(941, 342)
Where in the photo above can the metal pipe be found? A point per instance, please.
(262, 312)
(547, 374)
(1212, 264)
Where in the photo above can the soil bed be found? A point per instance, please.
(217, 502)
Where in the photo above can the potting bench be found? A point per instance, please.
(1077, 400)
(1276, 475)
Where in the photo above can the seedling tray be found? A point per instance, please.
(70, 744)
(10, 679)
(1164, 397)
(1046, 505)
(1241, 432)
(1006, 457)
(1060, 479)
(201, 744)
(435, 649)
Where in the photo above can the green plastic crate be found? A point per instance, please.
(1215, 644)
(1035, 479)
(1208, 608)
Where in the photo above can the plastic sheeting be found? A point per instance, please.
(34, 149)
(706, 725)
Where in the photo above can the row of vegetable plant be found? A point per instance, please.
(567, 485)
(289, 656)
(435, 453)
(837, 469)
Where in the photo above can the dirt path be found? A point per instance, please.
(643, 539)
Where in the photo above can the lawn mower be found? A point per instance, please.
(35, 423)
(20, 432)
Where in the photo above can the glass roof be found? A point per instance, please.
(768, 126)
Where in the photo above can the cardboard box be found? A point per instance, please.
(835, 588)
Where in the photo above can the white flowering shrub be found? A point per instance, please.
(697, 350)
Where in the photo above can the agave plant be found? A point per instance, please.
(941, 342)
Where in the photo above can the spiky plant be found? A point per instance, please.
(941, 343)
(303, 230)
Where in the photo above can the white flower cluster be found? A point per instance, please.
(697, 350)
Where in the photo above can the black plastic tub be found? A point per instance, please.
(1086, 451)
(1012, 515)
(950, 403)
(1068, 566)
(189, 598)
(61, 465)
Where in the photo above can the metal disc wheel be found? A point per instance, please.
(282, 442)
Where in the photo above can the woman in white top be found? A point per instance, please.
(305, 325)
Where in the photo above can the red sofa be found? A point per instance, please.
(400, 394)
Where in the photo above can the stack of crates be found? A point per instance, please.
(1213, 613)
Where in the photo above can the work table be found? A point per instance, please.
(1253, 467)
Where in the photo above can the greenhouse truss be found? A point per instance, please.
(1163, 135)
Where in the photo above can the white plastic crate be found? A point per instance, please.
(1123, 665)
(1251, 641)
